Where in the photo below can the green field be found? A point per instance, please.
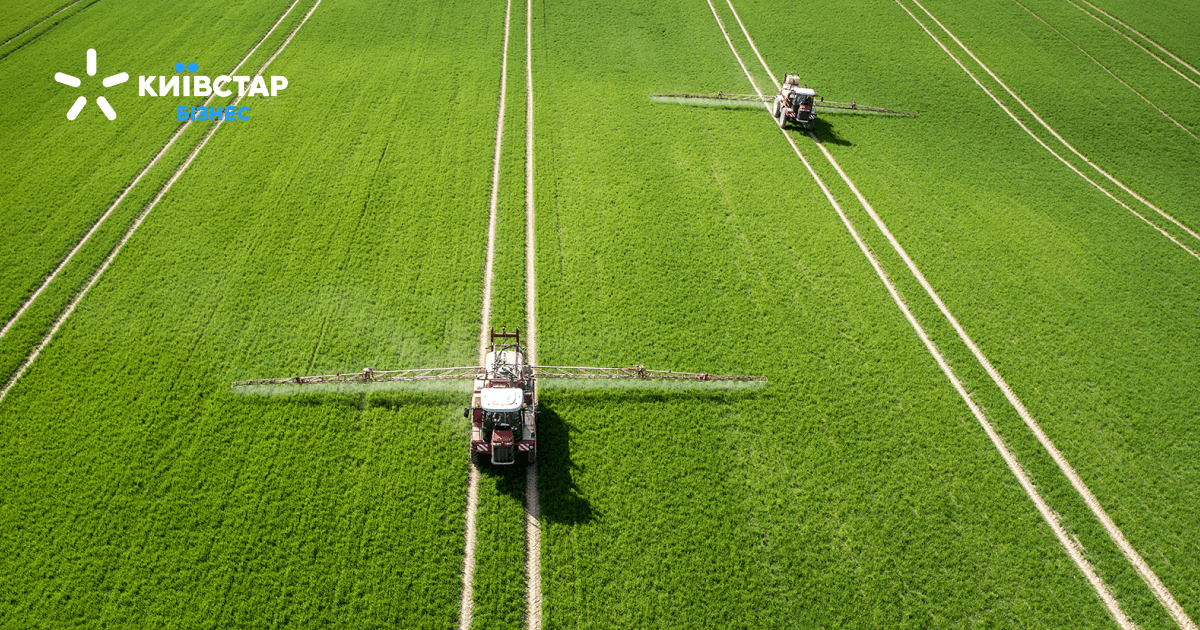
(345, 225)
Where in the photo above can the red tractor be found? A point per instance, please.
(503, 409)
(795, 103)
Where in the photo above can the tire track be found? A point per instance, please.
(1131, 555)
(48, 29)
(1110, 72)
(1156, 44)
(533, 507)
(1043, 123)
(138, 222)
(96, 226)
(467, 602)
(1068, 542)
(1130, 39)
(39, 22)
(1043, 143)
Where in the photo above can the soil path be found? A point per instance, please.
(1043, 123)
(142, 217)
(1132, 41)
(1156, 45)
(1043, 143)
(533, 508)
(124, 193)
(1069, 544)
(466, 604)
(40, 22)
(1110, 72)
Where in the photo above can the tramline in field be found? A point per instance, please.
(794, 102)
(503, 409)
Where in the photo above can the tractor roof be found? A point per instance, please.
(500, 398)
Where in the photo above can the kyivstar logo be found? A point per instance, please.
(191, 85)
(108, 82)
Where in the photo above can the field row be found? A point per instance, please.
(141, 490)
(856, 489)
(996, 223)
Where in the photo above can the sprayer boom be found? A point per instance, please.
(478, 373)
(819, 105)
(504, 402)
(635, 372)
(374, 376)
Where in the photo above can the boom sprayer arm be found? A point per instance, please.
(634, 372)
(373, 376)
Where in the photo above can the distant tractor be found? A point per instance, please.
(503, 411)
(795, 103)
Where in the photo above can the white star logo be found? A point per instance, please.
(115, 79)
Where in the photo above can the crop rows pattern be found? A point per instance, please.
(345, 227)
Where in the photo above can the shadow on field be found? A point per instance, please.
(826, 133)
(560, 498)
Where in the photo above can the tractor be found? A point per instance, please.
(503, 411)
(795, 103)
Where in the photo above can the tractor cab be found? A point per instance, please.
(501, 405)
(795, 102)
(802, 100)
(503, 421)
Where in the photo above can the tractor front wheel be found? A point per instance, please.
(782, 118)
(477, 459)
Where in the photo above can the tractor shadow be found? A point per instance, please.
(561, 501)
(825, 131)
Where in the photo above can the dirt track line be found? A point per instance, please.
(1073, 549)
(1160, 591)
(1139, 34)
(490, 257)
(1110, 72)
(1130, 39)
(467, 602)
(533, 507)
(1046, 146)
(39, 22)
(124, 193)
(52, 26)
(1081, 156)
(138, 222)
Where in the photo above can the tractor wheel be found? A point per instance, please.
(775, 110)
(477, 459)
(782, 118)
(531, 456)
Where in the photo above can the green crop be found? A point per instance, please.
(692, 238)
(344, 226)
(140, 492)
(72, 172)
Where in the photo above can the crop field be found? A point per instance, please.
(979, 325)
